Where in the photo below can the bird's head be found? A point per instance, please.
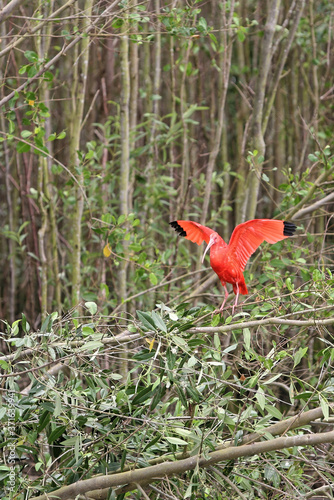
(214, 237)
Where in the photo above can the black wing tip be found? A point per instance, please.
(289, 228)
(178, 228)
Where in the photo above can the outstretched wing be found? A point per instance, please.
(247, 237)
(192, 231)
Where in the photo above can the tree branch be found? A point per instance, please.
(168, 469)
(313, 207)
(326, 174)
(57, 56)
(8, 9)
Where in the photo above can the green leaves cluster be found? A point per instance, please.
(185, 393)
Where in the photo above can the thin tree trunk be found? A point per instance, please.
(42, 48)
(282, 60)
(125, 153)
(258, 144)
(11, 242)
(185, 166)
(80, 71)
(227, 43)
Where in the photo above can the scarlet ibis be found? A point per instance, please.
(229, 261)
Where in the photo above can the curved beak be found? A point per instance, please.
(211, 242)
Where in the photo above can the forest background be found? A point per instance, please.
(116, 118)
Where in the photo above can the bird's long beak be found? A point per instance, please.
(211, 242)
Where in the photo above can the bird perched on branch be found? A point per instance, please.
(229, 261)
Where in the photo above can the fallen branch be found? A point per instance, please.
(167, 469)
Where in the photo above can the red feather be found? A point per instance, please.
(194, 232)
(229, 261)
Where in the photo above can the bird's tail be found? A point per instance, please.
(242, 288)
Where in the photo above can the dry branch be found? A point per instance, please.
(8, 9)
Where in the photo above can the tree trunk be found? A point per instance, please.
(80, 71)
(125, 153)
(258, 144)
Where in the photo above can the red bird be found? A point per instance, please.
(229, 261)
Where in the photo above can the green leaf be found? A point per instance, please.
(57, 409)
(23, 69)
(143, 395)
(31, 56)
(92, 307)
(230, 348)
(159, 323)
(146, 320)
(271, 474)
(174, 440)
(15, 327)
(289, 285)
(228, 320)
(87, 330)
(62, 135)
(56, 434)
(159, 392)
(22, 147)
(48, 76)
(91, 345)
(179, 341)
(25, 133)
(324, 406)
(241, 36)
(292, 393)
(43, 421)
(5, 366)
(25, 324)
(193, 393)
(215, 320)
(182, 397)
(272, 379)
(89, 155)
(153, 279)
(47, 324)
(299, 355)
(216, 341)
(192, 361)
(121, 219)
(123, 459)
(247, 413)
(261, 399)
(77, 446)
(143, 355)
(274, 412)
(247, 338)
(202, 24)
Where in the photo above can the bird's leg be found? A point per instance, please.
(236, 300)
(220, 310)
(225, 299)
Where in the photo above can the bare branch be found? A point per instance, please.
(313, 207)
(8, 9)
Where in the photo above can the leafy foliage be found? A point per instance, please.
(150, 377)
